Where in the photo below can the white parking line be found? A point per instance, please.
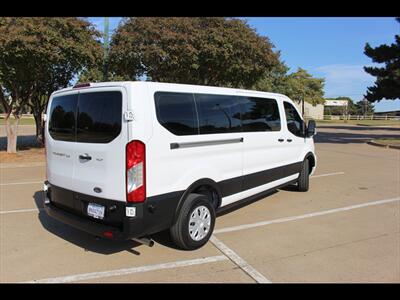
(328, 174)
(240, 262)
(310, 215)
(127, 271)
(22, 165)
(26, 182)
(3, 212)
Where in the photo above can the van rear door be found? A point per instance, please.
(98, 148)
(60, 139)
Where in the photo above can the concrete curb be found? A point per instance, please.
(373, 143)
(22, 165)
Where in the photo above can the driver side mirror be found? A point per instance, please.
(310, 128)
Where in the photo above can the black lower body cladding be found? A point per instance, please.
(154, 215)
(249, 181)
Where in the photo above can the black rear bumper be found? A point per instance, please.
(85, 225)
(153, 215)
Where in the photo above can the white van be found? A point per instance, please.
(128, 159)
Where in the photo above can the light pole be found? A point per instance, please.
(365, 102)
(105, 48)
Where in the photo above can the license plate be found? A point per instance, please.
(95, 210)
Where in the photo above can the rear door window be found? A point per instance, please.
(99, 117)
(177, 112)
(62, 118)
(86, 117)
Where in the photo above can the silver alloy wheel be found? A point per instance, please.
(199, 223)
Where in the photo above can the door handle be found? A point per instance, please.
(280, 140)
(289, 140)
(85, 157)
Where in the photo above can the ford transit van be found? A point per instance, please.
(129, 159)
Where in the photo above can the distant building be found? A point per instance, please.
(388, 113)
(310, 111)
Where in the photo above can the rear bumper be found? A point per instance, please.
(85, 225)
(70, 207)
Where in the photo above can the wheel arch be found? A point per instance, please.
(200, 186)
(313, 161)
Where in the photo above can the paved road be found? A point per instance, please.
(345, 229)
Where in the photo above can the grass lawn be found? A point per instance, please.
(388, 141)
(23, 121)
(362, 122)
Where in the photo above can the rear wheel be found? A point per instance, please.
(304, 177)
(195, 223)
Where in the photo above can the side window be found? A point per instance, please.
(177, 112)
(260, 114)
(62, 118)
(99, 119)
(218, 113)
(294, 122)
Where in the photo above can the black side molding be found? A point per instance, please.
(205, 143)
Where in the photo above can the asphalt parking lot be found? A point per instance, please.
(345, 229)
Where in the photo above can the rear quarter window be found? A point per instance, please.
(176, 112)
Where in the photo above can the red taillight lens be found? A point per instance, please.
(135, 171)
(108, 234)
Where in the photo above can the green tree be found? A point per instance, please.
(96, 74)
(38, 56)
(275, 81)
(387, 84)
(360, 107)
(296, 86)
(201, 50)
(301, 85)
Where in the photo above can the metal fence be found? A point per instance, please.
(361, 117)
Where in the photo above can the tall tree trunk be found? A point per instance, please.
(12, 130)
(39, 127)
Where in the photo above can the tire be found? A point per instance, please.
(184, 236)
(304, 177)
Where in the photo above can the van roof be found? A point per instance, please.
(179, 86)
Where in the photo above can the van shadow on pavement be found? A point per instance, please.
(350, 138)
(360, 127)
(103, 246)
(242, 203)
(80, 238)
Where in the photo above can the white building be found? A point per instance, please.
(310, 111)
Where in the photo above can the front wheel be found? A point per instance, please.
(195, 223)
(304, 177)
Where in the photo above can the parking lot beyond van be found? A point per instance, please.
(345, 229)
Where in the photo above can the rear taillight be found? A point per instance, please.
(108, 234)
(135, 172)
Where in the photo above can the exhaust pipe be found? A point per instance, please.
(145, 241)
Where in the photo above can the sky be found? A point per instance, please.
(327, 47)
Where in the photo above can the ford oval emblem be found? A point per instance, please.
(97, 190)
